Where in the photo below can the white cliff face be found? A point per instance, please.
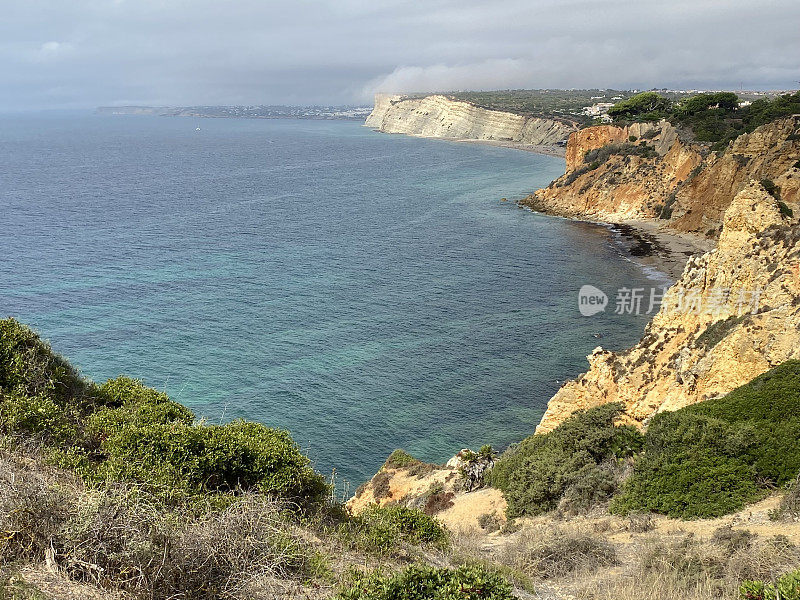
(733, 314)
(439, 117)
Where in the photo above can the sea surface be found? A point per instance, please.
(365, 291)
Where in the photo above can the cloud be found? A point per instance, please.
(502, 73)
(53, 50)
(83, 53)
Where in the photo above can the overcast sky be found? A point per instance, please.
(84, 53)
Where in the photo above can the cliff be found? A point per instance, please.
(646, 171)
(440, 117)
(733, 314)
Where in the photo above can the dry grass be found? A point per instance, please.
(33, 509)
(555, 552)
(124, 539)
(789, 509)
(691, 569)
(121, 537)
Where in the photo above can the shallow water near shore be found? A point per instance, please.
(365, 291)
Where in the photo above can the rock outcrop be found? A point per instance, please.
(646, 171)
(440, 117)
(446, 491)
(734, 314)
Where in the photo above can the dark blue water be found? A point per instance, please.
(364, 291)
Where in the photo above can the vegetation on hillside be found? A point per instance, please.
(158, 505)
(124, 431)
(576, 464)
(713, 117)
(422, 582)
(705, 460)
(714, 457)
(786, 588)
(563, 104)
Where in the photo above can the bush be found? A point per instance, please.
(208, 458)
(712, 458)
(380, 529)
(772, 189)
(400, 459)
(666, 210)
(125, 431)
(550, 553)
(40, 393)
(598, 156)
(787, 588)
(717, 331)
(427, 583)
(789, 507)
(568, 461)
(647, 106)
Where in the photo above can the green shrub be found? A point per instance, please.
(29, 367)
(380, 529)
(125, 431)
(712, 458)
(428, 583)
(787, 588)
(666, 210)
(717, 331)
(40, 393)
(598, 156)
(400, 459)
(785, 210)
(538, 472)
(772, 189)
(647, 106)
(209, 458)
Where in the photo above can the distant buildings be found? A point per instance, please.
(598, 111)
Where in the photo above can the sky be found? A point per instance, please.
(63, 54)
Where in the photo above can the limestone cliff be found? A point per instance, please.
(733, 314)
(440, 117)
(647, 171)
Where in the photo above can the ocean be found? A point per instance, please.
(364, 291)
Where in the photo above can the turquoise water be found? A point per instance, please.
(364, 291)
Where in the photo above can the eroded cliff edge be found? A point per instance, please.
(438, 116)
(650, 171)
(733, 314)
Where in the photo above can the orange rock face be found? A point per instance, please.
(683, 183)
(591, 138)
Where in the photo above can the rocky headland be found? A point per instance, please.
(438, 116)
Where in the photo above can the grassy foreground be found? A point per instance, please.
(114, 491)
(116, 486)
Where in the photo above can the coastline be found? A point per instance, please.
(649, 243)
(653, 246)
(644, 241)
(547, 150)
